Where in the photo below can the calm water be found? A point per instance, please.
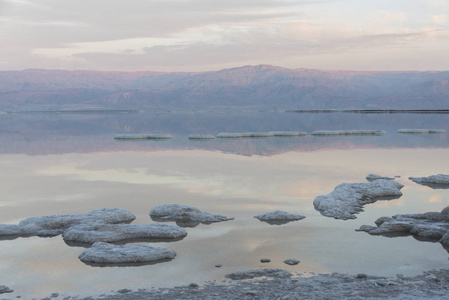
(70, 163)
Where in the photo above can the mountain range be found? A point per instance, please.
(259, 87)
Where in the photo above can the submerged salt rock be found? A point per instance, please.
(372, 177)
(178, 212)
(248, 274)
(288, 133)
(111, 233)
(430, 226)
(439, 181)
(142, 136)
(56, 224)
(104, 253)
(349, 132)
(278, 217)
(421, 131)
(201, 137)
(348, 199)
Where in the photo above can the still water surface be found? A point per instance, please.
(70, 163)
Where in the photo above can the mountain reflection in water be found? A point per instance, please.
(45, 133)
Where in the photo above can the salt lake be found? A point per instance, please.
(68, 163)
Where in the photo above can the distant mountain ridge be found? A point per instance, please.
(247, 87)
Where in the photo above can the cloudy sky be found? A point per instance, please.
(199, 35)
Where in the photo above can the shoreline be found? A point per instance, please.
(433, 284)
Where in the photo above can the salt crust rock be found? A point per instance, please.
(372, 177)
(111, 233)
(439, 181)
(142, 136)
(278, 217)
(9, 230)
(348, 199)
(244, 134)
(201, 137)
(230, 135)
(430, 226)
(349, 132)
(178, 212)
(248, 274)
(5, 289)
(256, 134)
(288, 133)
(53, 225)
(104, 253)
(291, 261)
(421, 131)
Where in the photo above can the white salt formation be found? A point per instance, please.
(257, 134)
(142, 136)
(104, 253)
(201, 137)
(178, 212)
(291, 261)
(278, 217)
(439, 181)
(230, 135)
(53, 225)
(349, 132)
(5, 289)
(8, 231)
(244, 135)
(288, 133)
(421, 131)
(348, 199)
(430, 226)
(111, 233)
(372, 177)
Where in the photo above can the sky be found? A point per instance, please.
(207, 35)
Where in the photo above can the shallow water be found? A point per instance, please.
(70, 163)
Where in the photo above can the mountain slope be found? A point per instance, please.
(255, 87)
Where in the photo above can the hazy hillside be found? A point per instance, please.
(253, 87)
